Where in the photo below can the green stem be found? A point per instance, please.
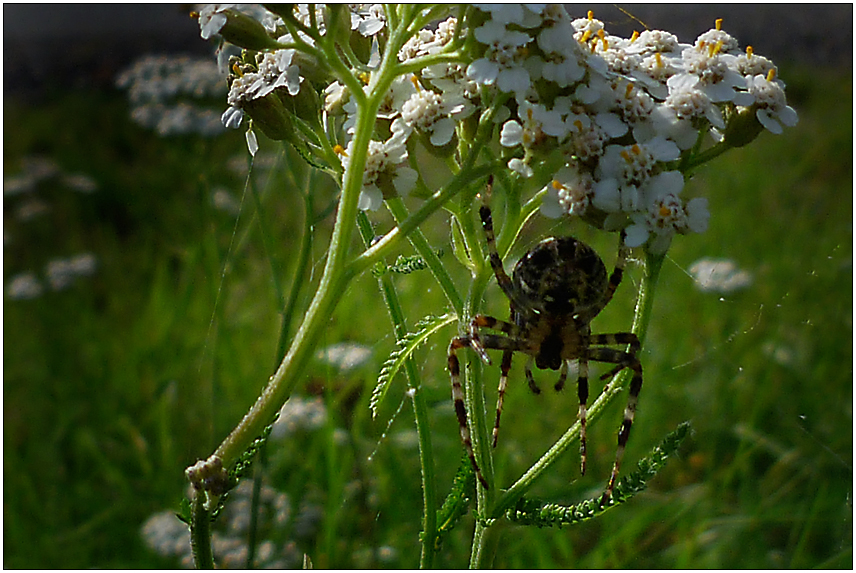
(695, 160)
(420, 409)
(429, 492)
(420, 243)
(333, 282)
(475, 403)
(423, 429)
(200, 533)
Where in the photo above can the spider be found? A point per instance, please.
(555, 291)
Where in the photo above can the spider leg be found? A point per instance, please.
(505, 343)
(460, 406)
(503, 383)
(502, 277)
(627, 338)
(582, 394)
(623, 360)
(509, 345)
(618, 271)
(563, 376)
(483, 321)
(529, 378)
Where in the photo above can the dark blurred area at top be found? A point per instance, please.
(58, 47)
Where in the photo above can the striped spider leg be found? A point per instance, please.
(554, 292)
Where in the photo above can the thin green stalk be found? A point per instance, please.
(429, 489)
(420, 243)
(200, 530)
(423, 429)
(299, 270)
(420, 410)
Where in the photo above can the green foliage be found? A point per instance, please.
(112, 387)
(406, 346)
(457, 503)
(540, 514)
(404, 265)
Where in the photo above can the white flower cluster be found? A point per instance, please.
(624, 115)
(164, 534)
(166, 91)
(623, 112)
(59, 274)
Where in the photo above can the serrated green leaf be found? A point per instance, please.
(457, 503)
(535, 512)
(184, 511)
(406, 345)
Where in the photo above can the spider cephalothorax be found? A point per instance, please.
(555, 291)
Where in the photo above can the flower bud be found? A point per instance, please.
(305, 105)
(271, 116)
(246, 32)
(743, 127)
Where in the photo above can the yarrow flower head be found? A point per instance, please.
(610, 127)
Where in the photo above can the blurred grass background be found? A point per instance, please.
(114, 385)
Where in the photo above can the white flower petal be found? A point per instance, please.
(483, 71)
(511, 134)
(636, 235)
(370, 198)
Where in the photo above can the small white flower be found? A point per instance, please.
(367, 19)
(655, 42)
(511, 134)
(751, 64)
(61, 273)
(525, 15)
(212, 19)
(688, 102)
(722, 41)
(772, 109)
(569, 193)
(384, 159)
(710, 72)
(24, 286)
(335, 97)
(519, 166)
(430, 112)
(634, 164)
(232, 117)
(276, 70)
(719, 275)
(503, 62)
(665, 217)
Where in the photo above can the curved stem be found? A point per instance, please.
(333, 281)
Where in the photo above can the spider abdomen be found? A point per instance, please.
(561, 276)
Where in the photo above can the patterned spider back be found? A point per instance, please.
(561, 277)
